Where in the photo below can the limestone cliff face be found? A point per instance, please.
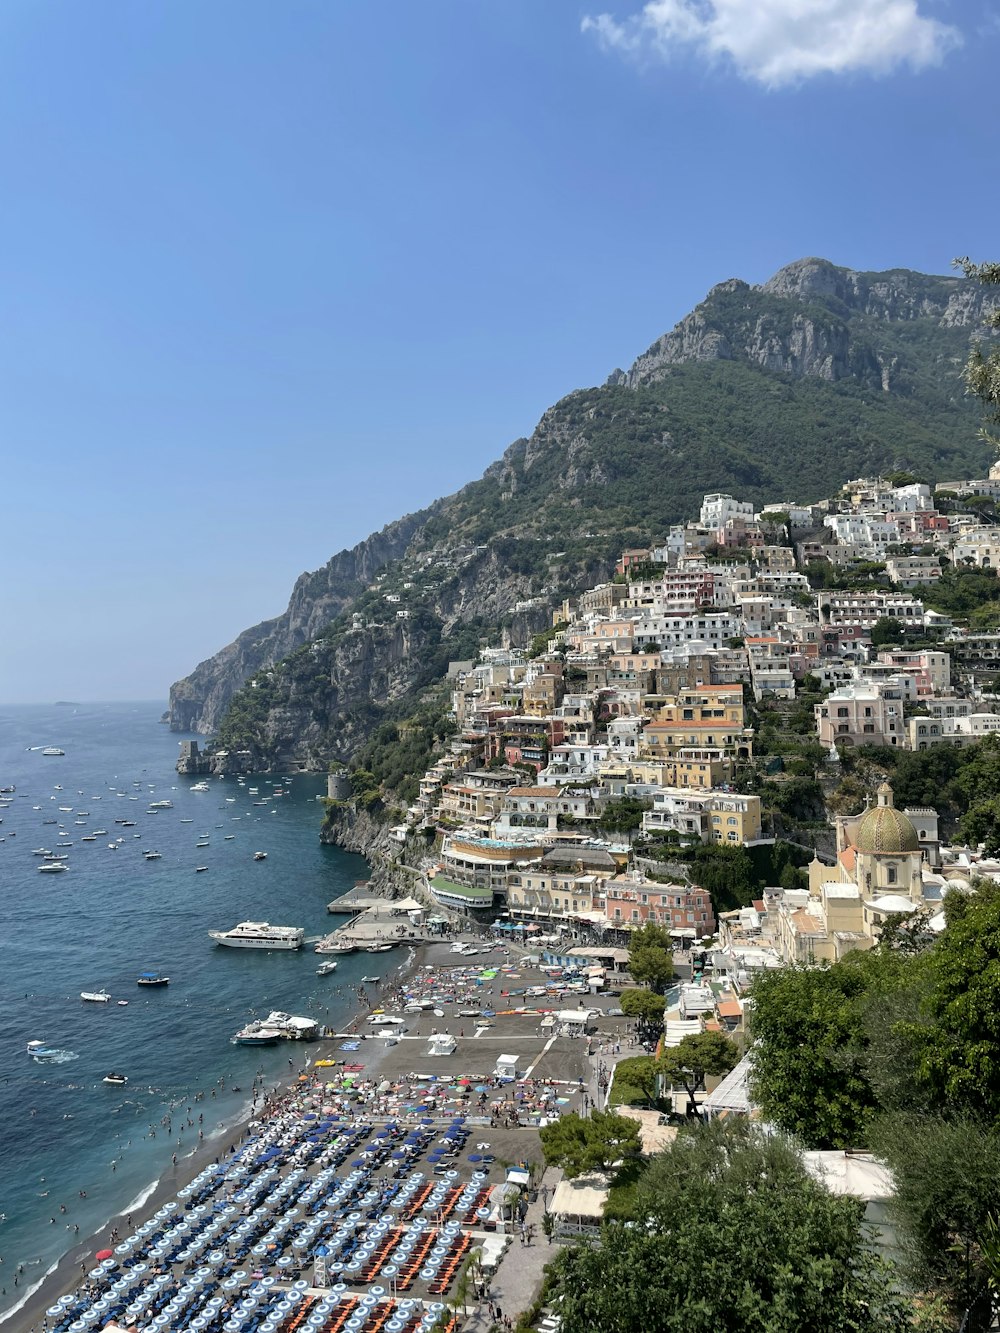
(806, 321)
(198, 702)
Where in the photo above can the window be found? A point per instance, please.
(841, 712)
(890, 874)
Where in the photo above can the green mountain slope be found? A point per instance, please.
(778, 392)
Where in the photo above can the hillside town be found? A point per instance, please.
(585, 770)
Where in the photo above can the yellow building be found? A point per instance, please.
(878, 878)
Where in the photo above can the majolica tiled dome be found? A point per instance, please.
(883, 828)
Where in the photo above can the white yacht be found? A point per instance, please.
(260, 935)
(53, 749)
(52, 868)
(161, 805)
(95, 996)
(200, 786)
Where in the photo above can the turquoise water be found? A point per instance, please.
(114, 914)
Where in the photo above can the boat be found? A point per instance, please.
(187, 821)
(161, 805)
(153, 856)
(95, 996)
(326, 968)
(378, 948)
(39, 1050)
(116, 1080)
(260, 935)
(256, 1034)
(152, 979)
(52, 867)
(230, 837)
(260, 856)
(200, 786)
(198, 870)
(371, 981)
(201, 844)
(53, 750)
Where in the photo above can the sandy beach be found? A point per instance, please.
(384, 1074)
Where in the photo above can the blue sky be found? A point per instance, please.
(273, 274)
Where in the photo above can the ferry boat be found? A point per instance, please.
(260, 935)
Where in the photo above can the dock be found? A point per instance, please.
(384, 922)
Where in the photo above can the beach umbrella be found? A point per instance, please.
(104, 1254)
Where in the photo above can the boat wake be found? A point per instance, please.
(55, 1058)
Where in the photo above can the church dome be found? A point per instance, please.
(884, 829)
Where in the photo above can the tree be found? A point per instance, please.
(886, 630)
(810, 1074)
(982, 373)
(958, 1047)
(635, 1082)
(946, 1199)
(733, 1234)
(651, 957)
(592, 1144)
(686, 1064)
(644, 1005)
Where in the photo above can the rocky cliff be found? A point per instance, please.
(198, 702)
(777, 392)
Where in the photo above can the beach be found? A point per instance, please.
(379, 1081)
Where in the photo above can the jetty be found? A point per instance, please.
(382, 924)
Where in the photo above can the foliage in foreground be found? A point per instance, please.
(734, 1235)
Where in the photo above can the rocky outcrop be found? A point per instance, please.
(199, 700)
(804, 321)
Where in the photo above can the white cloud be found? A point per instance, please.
(782, 42)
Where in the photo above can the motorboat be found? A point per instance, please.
(198, 870)
(161, 805)
(200, 786)
(152, 979)
(52, 750)
(260, 935)
(256, 1034)
(40, 1051)
(52, 867)
(260, 856)
(95, 996)
(378, 948)
(326, 968)
(116, 1080)
(153, 856)
(371, 981)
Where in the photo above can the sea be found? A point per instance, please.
(68, 1141)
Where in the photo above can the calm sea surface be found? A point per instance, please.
(113, 915)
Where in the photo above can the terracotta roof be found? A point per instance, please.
(730, 1009)
(847, 859)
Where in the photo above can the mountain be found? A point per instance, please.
(778, 391)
